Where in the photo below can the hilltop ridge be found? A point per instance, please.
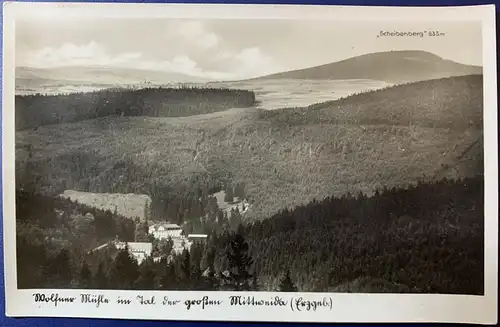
(390, 66)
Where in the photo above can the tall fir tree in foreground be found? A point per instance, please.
(101, 279)
(147, 277)
(59, 270)
(238, 277)
(85, 277)
(169, 279)
(286, 283)
(125, 271)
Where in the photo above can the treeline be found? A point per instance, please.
(428, 238)
(37, 110)
(110, 268)
(454, 102)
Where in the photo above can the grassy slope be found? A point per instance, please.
(390, 66)
(286, 157)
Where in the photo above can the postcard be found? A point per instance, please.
(250, 162)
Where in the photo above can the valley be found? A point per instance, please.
(333, 179)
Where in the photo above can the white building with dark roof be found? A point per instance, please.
(164, 231)
(197, 238)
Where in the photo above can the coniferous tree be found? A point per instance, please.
(208, 258)
(238, 276)
(141, 232)
(196, 254)
(146, 280)
(235, 220)
(229, 197)
(286, 283)
(239, 191)
(125, 270)
(31, 263)
(101, 278)
(169, 280)
(59, 270)
(255, 282)
(85, 277)
(196, 279)
(184, 276)
(211, 283)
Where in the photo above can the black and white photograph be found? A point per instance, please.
(260, 155)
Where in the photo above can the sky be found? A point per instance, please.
(228, 49)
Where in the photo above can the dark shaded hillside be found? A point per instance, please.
(427, 239)
(51, 231)
(423, 239)
(38, 110)
(455, 103)
(391, 66)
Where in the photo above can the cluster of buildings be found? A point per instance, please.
(163, 231)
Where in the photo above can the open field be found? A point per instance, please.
(127, 205)
(276, 94)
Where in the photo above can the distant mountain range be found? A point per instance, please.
(391, 67)
(26, 76)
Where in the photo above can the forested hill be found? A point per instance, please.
(283, 157)
(454, 102)
(401, 236)
(37, 110)
(391, 66)
(427, 238)
(424, 239)
(53, 233)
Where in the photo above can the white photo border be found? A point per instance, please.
(346, 307)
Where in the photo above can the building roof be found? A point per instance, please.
(171, 226)
(136, 246)
(166, 226)
(198, 235)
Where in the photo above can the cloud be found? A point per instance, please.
(253, 62)
(239, 64)
(184, 65)
(93, 54)
(196, 33)
(69, 54)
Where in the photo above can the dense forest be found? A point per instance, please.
(183, 205)
(53, 228)
(37, 110)
(284, 157)
(427, 238)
